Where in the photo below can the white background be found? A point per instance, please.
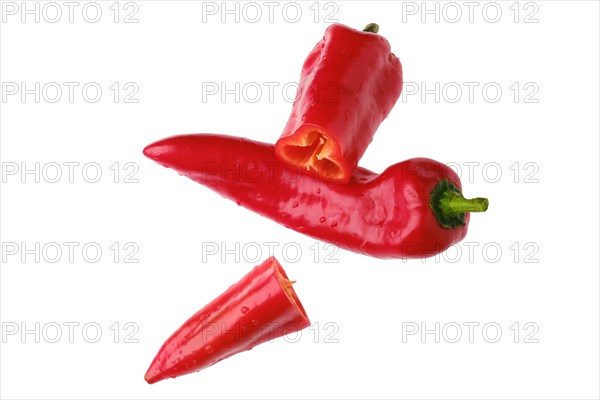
(543, 213)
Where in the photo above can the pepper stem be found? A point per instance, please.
(449, 205)
(452, 203)
(372, 27)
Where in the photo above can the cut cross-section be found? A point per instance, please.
(314, 153)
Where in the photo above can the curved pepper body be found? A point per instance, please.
(260, 307)
(383, 215)
(349, 84)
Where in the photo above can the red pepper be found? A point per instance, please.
(413, 209)
(349, 83)
(260, 307)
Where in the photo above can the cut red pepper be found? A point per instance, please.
(349, 83)
(413, 209)
(260, 307)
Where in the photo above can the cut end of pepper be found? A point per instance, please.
(449, 206)
(312, 152)
(286, 285)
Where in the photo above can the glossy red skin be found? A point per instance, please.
(250, 312)
(383, 215)
(349, 84)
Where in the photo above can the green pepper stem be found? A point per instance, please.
(453, 204)
(372, 27)
(449, 206)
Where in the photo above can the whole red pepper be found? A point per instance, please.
(349, 83)
(260, 307)
(412, 209)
